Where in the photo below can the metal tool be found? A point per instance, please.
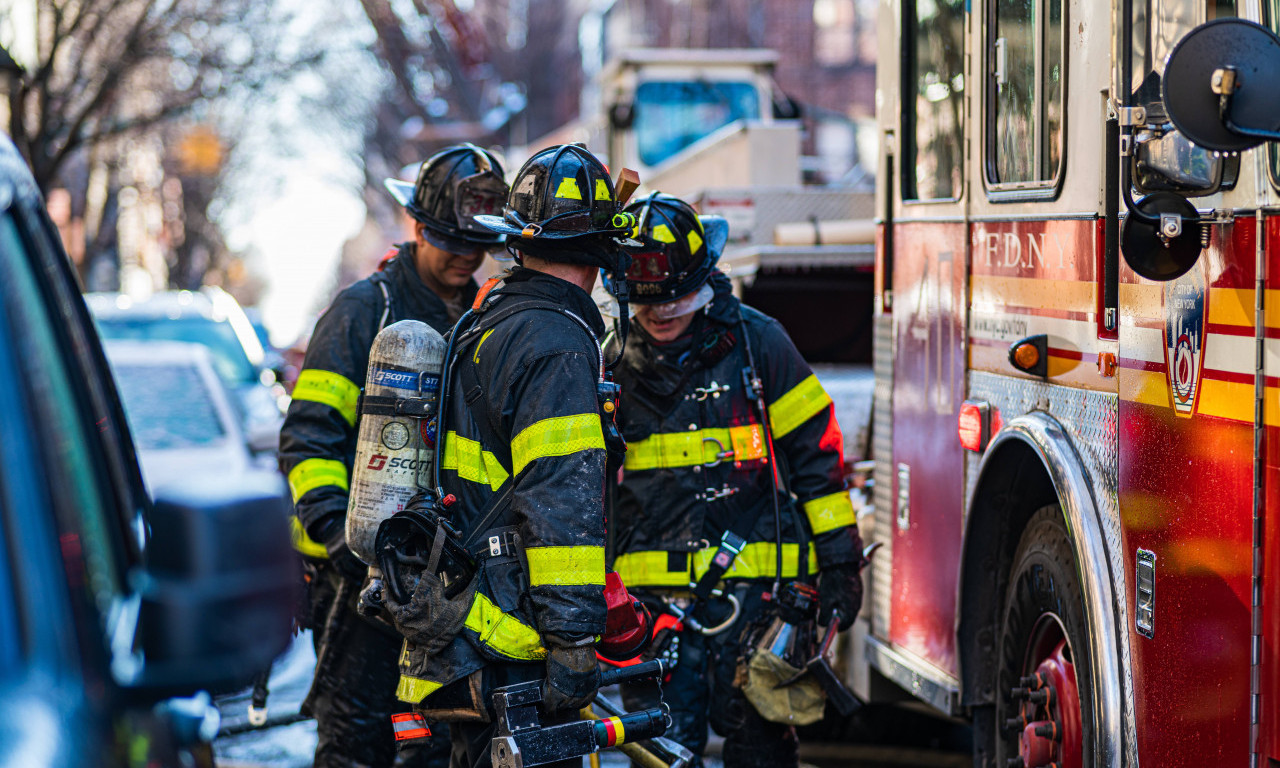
(522, 741)
(837, 693)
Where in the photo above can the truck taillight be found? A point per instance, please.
(979, 420)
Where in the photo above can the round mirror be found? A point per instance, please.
(1158, 257)
(1251, 53)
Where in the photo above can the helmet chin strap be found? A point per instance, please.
(622, 294)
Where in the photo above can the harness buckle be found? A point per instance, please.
(713, 390)
(711, 494)
(721, 454)
(495, 546)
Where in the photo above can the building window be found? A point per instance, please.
(933, 99)
(834, 32)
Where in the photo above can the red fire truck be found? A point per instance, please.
(1077, 324)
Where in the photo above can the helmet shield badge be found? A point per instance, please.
(479, 194)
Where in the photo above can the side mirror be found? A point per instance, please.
(1219, 85)
(218, 591)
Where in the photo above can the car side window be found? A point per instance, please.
(91, 535)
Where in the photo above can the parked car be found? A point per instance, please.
(182, 418)
(211, 317)
(114, 610)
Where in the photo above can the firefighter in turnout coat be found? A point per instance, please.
(353, 693)
(524, 453)
(697, 476)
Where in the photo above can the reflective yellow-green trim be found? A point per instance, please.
(665, 450)
(328, 388)
(412, 690)
(503, 632)
(756, 561)
(475, 356)
(565, 566)
(826, 513)
(806, 400)
(316, 473)
(471, 462)
(557, 436)
(304, 543)
(568, 189)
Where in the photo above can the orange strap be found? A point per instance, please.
(484, 291)
(387, 257)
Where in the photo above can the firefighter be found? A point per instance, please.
(524, 453)
(429, 279)
(698, 481)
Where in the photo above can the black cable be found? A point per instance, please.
(757, 387)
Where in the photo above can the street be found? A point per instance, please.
(292, 745)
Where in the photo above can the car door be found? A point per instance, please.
(71, 513)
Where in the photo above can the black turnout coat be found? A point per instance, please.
(696, 462)
(522, 412)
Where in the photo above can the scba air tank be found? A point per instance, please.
(396, 444)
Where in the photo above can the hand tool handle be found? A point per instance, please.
(633, 726)
(615, 675)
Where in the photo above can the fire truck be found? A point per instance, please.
(1076, 361)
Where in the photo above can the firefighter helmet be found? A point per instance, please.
(453, 186)
(678, 250)
(561, 194)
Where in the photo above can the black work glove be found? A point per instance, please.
(332, 533)
(840, 589)
(573, 675)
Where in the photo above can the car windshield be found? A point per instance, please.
(673, 115)
(229, 358)
(168, 406)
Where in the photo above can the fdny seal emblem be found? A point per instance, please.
(1185, 310)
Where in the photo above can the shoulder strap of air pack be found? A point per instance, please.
(472, 390)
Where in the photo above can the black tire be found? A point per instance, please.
(1043, 588)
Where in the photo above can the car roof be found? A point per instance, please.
(210, 302)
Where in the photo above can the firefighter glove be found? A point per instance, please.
(573, 675)
(840, 589)
(332, 533)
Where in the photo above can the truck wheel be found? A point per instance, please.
(1044, 701)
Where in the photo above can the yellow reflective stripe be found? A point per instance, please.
(413, 690)
(826, 513)
(568, 189)
(565, 566)
(662, 233)
(471, 462)
(602, 190)
(304, 543)
(557, 436)
(503, 632)
(756, 561)
(328, 388)
(685, 449)
(649, 569)
(316, 473)
(475, 357)
(806, 400)
(695, 241)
